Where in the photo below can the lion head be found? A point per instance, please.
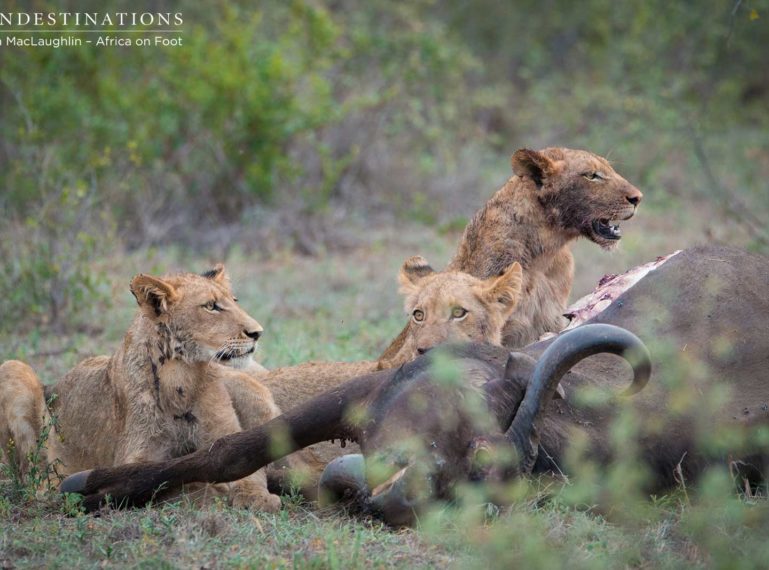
(580, 192)
(197, 317)
(452, 306)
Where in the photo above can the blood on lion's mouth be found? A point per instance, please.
(606, 229)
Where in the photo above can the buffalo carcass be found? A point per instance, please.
(703, 313)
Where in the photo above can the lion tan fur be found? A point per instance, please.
(164, 393)
(22, 413)
(486, 305)
(454, 306)
(555, 196)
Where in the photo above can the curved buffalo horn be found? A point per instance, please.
(566, 351)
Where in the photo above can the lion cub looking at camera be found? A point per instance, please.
(164, 393)
(445, 306)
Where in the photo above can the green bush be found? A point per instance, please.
(241, 112)
(272, 106)
(270, 118)
(49, 261)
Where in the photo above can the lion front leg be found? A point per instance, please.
(23, 414)
(251, 400)
(218, 418)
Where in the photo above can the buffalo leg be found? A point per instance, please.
(232, 457)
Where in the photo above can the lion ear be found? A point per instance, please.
(153, 294)
(504, 289)
(218, 274)
(532, 164)
(413, 271)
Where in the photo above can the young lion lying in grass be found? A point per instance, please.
(164, 393)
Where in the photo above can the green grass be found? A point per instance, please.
(182, 536)
(537, 533)
(344, 306)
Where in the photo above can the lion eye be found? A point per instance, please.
(418, 315)
(458, 313)
(594, 176)
(212, 306)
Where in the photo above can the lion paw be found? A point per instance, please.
(264, 501)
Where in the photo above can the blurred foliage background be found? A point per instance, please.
(303, 141)
(276, 126)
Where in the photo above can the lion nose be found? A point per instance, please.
(635, 197)
(254, 334)
(422, 349)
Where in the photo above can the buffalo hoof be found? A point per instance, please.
(75, 483)
(343, 481)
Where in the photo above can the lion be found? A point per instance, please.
(165, 392)
(555, 196)
(445, 306)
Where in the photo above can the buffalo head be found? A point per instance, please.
(458, 414)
